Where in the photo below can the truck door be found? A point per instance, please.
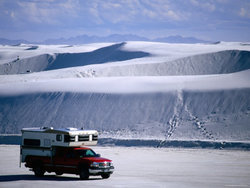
(66, 161)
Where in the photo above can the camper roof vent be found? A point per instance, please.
(47, 128)
(71, 129)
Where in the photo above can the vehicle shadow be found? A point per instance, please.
(30, 177)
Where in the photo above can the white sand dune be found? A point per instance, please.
(137, 90)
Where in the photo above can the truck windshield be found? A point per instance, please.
(86, 153)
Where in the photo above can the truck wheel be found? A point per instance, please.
(59, 173)
(84, 174)
(105, 176)
(38, 170)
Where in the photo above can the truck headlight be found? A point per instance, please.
(94, 164)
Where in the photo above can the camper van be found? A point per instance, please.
(63, 151)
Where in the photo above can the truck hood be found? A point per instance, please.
(96, 159)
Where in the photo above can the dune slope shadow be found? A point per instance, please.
(228, 61)
(102, 55)
(64, 60)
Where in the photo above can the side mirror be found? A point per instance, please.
(98, 155)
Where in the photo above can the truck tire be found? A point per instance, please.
(105, 176)
(38, 170)
(84, 174)
(58, 173)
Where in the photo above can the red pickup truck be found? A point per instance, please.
(82, 161)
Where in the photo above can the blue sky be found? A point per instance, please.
(37, 20)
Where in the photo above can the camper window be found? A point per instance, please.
(31, 142)
(95, 137)
(69, 138)
(58, 137)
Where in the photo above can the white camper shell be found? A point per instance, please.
(67, 137)
(42, 141)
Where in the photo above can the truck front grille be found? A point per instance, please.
(104, 165)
